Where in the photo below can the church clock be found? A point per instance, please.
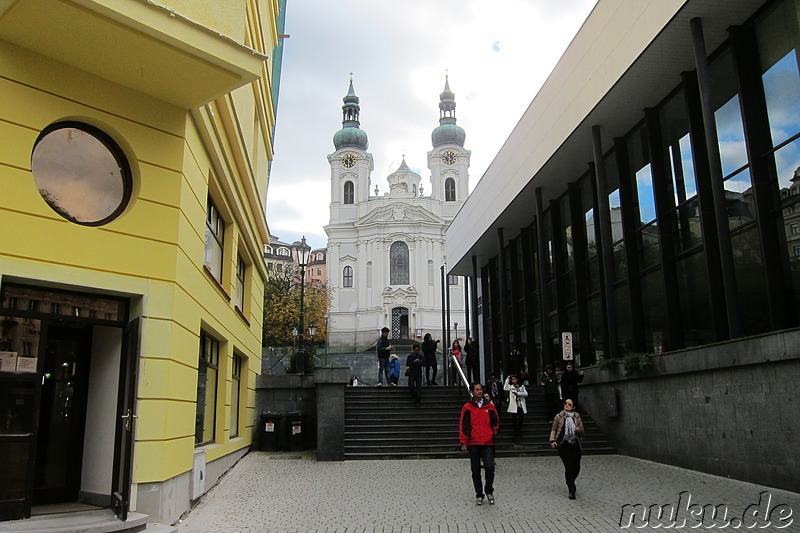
(449, 157)
(349, 160)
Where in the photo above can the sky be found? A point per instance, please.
(496, 54)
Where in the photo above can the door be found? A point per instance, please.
(126, 418)
(62, 414)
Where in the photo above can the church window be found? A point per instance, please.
(347, 277)
(349, 193)
(449, 190)
(430, 272)
(369, 273)
(398, 263)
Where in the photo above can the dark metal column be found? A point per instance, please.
(529, 288)
(547, 345)
(474, 300)
(606, 241)
(579, 244)
(763, 172)
(445, 327)
(501, 277)
(665, 206)
(705, 198)
(632, 237)
(715, 169)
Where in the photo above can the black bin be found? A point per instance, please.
(295, 431)
(269, 433)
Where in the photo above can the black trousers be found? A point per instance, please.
(434, 367)
(571, 457)
(516, 422)
(478, 453)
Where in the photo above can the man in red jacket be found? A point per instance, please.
(477, 426)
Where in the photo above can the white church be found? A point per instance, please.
(385, 252)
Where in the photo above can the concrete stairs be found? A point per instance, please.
(382, 423)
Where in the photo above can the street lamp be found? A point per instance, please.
(455, 325)
(300, 254)
(326, 317)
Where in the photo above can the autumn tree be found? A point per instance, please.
(282, 308)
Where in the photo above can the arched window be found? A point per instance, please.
(449, 190)
(347, 276)
(349, 192)
(398, 263)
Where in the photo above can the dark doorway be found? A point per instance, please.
(62, 415)
(400, 323)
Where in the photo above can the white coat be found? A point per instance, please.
(516, 396)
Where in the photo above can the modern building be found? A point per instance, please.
(136, 143)
(643, 208)
(385, 252)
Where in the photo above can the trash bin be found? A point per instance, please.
(295, 427)
(269, 435)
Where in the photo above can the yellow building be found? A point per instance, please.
(135, 138)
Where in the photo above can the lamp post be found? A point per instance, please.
(326, 317)
(455, 326)
(312, 330)
(301, 254)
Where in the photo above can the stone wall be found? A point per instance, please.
(728, 409)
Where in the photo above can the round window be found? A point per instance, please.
(81, 173)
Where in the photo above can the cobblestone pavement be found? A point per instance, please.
(288, 492)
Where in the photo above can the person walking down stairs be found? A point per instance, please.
(517, 405)
(414, 363)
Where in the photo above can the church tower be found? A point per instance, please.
(449, 160)
(351, 164)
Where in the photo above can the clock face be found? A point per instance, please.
(449, 157)
(349, 160)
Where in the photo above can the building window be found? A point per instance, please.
(319, 272)
(207, 369)
(449, 190)
(349, 192)
(795, 229)
(398, 263)
(452, 280)
(284, 251)
(797, 251)
(215, 236)
(81, 173)
(268, 249)
(241, 269)
(347, 276)
(236, 382)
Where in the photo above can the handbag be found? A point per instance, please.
(408, 371)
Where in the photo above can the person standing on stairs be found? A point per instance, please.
(431, 364)
(414, 362)
(384, 347)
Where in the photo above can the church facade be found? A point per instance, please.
(385, 252)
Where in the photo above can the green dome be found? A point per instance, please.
(448, 133)
(350, 135)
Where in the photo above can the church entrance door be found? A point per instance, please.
(400, 323)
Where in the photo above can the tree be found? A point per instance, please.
(282, 308)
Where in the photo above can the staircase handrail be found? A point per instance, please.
(455, 362)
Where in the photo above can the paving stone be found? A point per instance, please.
(299, 495)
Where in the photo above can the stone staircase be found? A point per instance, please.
(382, 423)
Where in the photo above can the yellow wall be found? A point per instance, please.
(154, 251)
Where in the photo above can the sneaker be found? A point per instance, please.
(490, 497)
(479, 500)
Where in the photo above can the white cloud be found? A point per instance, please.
(497, 55)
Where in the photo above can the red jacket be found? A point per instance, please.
(478, 425)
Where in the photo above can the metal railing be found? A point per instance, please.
(457, 364)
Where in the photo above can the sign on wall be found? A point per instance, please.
(566, 345)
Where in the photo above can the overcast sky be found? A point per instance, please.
(497, 54)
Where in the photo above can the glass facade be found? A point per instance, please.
(666, 254)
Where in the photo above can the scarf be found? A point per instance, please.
(569, 427)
